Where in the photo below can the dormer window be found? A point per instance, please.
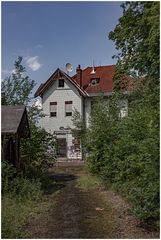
(61, 83)
(94, 81)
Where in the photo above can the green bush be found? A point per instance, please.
(8, 173)
(126, 153)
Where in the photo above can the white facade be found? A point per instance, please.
(60, 95)
(61, 124)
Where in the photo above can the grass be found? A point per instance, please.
(18, 209)
(17, 213)
(14, 216)
(88, 182)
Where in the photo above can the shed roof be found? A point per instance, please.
(14, 120)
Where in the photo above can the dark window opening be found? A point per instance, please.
(94, 81)
(52, 114)
(68, 114)
(61, 83)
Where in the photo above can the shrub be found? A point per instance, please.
(126, 153)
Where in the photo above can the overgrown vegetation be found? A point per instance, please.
(88, 182)
(19, 195)
(21, 190)
(126, 151)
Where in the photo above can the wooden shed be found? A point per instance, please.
(14, 125)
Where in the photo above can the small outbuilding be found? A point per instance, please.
(14, 125)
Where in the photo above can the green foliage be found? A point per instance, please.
(126, 151)
(79, 129)
(8, 172)
(137, 38)
(18, 196)
(16, 185)
(79, 124)
(38, 152)
(17, 87)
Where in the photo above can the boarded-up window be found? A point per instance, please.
(68, 108)
(53, 109)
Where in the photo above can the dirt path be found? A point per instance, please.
(79, 213)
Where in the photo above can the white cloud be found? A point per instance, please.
(33, 63)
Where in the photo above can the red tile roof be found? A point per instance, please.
(104, 73)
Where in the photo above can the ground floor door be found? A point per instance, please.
(61, 147)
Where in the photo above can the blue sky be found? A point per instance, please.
(50, 34)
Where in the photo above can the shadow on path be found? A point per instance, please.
(62, 177)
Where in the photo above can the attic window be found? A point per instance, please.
(61, 83)
(94, 81)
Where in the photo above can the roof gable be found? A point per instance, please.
(55, 76)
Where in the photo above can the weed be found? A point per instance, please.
(88, 182)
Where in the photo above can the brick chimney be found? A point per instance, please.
(79, 75)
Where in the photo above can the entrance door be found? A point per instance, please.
(62, 147)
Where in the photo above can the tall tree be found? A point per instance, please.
(136, 38)
(16, 89)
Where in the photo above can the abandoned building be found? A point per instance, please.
(61, 94)
(14, 125)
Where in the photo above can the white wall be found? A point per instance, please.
(60, 95)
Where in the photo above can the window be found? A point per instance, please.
(68, 108)
(94, 81)
(53, 109)
(61, 83)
